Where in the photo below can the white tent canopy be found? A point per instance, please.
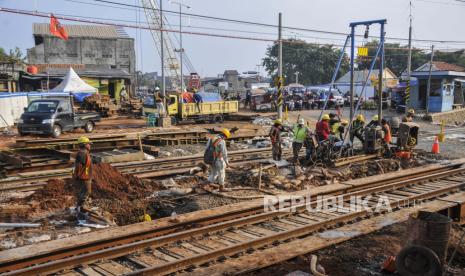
(73, 83)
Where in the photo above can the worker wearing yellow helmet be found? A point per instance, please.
(82, 174)
(374, 121)
(216, 155)
(357, 129)
(300, 132)
(409, 117)
(338, 129)
(275, 137)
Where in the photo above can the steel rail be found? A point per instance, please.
(254, 217)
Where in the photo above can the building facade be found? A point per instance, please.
(447, 90)
(103, 55)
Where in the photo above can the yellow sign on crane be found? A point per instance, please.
(362, 51)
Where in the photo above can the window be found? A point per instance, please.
(107, 56)
(436, 88)
(45, 107)
(53, 54)
(65, 106)
(72, 55)
(124, 56)
(89, 55)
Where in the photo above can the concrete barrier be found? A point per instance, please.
(449, 117)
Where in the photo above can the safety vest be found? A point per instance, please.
(299, 134)
(82, 172)
(217, 153)
(387, 133)
(275, 134)
(335, 128)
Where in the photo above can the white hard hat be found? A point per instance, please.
(157, 88)
(301, 121)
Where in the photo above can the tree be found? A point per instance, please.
(14, 56)
(395, 57)
(315, 63)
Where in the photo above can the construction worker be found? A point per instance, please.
(275, 137)
(339, 129)
(334, 120)
(387, 135)
(322, 128)
(82, 174)
(123, 94)
(409, 117)
(357, 129)
(220, 158)
(374, 121)
(158, 99)
(300, 133)
(310, 144)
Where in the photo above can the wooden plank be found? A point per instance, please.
(114, 268)
(88, 271)
(260, 259)
(162, 256)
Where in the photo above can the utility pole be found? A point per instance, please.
(258, 67)
(428, 88)
(296, 77)
(181, 50)
(381, 73)
(162, 55)
(409, 63)
(280, 68)
(352, 57)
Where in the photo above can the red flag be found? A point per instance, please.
(57, 29)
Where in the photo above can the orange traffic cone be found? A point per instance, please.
(435, 148)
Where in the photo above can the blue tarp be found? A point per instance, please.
(79, 97)
(210, 97)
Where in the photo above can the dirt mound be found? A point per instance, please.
(55, 195)
(123, 196)
(109, 183)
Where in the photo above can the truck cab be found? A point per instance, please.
(53, 116)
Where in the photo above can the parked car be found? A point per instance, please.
(53, 116)
(335, 97)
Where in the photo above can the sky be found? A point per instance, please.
(210, 56)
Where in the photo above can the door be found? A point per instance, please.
(65, 115)
(111, 89)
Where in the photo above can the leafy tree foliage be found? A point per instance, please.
(315, 63)
(396, 56)
(15, 55)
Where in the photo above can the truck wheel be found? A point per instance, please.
(89, 127)
(218, 118)
(56, 131)
(174, 121)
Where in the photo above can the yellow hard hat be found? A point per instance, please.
(360, 118)
(325, 117)
(375, 118)
(83, 140)
(226, 133)
(411, 111)
(344, 122)
(278, 121)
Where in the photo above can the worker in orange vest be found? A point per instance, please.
(82, 174)
(387, 134)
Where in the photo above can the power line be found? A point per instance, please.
(266, 24)
(82, 20)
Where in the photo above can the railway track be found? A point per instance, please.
(142, 169)
(185, 246)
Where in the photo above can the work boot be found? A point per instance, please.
(223, 189)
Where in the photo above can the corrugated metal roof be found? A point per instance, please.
(94, 31)
(441, 66)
